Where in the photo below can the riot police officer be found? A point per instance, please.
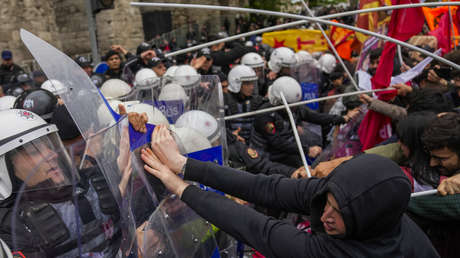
(40, 207)
(272, 131)
(242, 81)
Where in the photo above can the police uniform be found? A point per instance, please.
(272, 133)
(249, 159)
(236, 104)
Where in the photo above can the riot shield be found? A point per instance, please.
(107, 138)
(344, 140)
(194, 106)
(308, 75)
(174, 230)
(77, 85)
(112, 143)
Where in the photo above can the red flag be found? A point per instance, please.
(443, 33)
(404, 24)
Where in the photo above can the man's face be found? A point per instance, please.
(207, 64)
(247, 88)
(374, 63)
(332, 218)
(285, 71)
(114, 62)
(159, 69)
(8, 62)
(337, 82)
(445, 161)
(42, 161)
(88, 70)
(39, 80)
(259, 72)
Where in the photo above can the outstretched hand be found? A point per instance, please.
(165, 148)
(154, 166)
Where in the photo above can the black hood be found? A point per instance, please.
(372, 193)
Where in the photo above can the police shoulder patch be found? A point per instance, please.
(270, 128)
(253, 153)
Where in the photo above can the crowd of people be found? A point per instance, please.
(357, 202)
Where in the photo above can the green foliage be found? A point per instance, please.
(314, 3)
(271, 5)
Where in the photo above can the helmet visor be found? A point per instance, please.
(40, 165)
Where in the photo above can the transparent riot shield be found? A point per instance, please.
(77, 85)
(58, 211)
(308, 75)
(107, 138)
(174, 230)
(197, 115)
(344, 140)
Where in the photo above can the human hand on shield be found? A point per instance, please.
(137, 121)
(155, 167)
(165, 149)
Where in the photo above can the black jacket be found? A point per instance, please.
(240, 155)
(235, 104)
(8, 75)
(273, 133)
(372, 193)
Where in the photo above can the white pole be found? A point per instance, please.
(400, 56)
(331, 45)
(330, 16)
(377, 35)
(238, 36)
(424, 193)
(271, 109)
(296, 134)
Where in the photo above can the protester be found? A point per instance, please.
(357, 211)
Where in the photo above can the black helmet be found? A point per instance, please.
(144, 46)
(39, 101)
(83, 61)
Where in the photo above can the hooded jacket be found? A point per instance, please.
(372, 193)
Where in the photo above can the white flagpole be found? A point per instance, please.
(271, 109)
(424, 193)
(296, 134)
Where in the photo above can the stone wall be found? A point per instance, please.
(64, 24)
